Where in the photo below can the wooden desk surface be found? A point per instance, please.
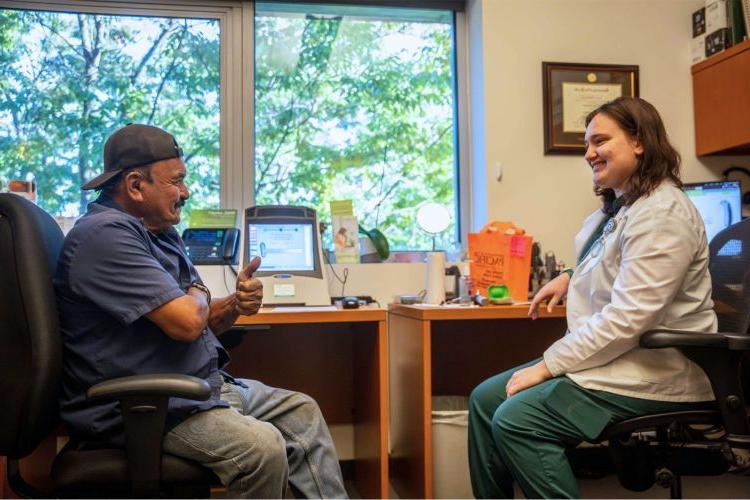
(286, 316)
(425, 313)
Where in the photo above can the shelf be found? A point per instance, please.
(721, 102)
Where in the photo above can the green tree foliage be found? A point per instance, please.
(345, 108)
(355, 109)
(69, 80)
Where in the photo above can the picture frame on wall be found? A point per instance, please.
(571, 91)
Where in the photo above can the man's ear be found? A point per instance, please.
(133, 182)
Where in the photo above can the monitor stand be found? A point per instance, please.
(291, 290)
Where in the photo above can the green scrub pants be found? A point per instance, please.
(523, 438)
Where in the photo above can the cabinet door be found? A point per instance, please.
(721, 97)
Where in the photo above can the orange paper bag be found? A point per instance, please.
(500, 254)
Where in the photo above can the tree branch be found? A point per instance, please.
(383, 198)
(164, 79)
(308, 88)
(95, 51)
(440, 136)
(190, 156)
(150, 52)
(55, 32)
(82, 30)
(382, 185)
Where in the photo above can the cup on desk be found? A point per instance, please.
(435, 284)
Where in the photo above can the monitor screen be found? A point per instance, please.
(718, 203)
(283, 247)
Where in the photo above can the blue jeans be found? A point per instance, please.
(268, 438)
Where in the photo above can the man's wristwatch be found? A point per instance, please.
(203, 288)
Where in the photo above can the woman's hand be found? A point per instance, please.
(527, 377)
(555, 291)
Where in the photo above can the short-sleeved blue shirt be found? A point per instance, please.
(112, 271)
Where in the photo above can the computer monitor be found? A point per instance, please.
(286, 238)
(718, 203)
(284, 247)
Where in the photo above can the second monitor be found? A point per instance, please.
(287, 241)
(718, 202)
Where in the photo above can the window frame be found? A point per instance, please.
(237, 88)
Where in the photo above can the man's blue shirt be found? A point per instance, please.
(112, 271)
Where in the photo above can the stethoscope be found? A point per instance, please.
(597, 249)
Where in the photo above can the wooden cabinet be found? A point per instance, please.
(721, 102)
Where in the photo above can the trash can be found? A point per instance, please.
(450, 450)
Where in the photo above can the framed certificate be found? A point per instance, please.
(571, 91)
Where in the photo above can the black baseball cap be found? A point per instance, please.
(134, 145)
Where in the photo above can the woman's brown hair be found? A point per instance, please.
(659, 161)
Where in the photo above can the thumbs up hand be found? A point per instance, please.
(249, 295)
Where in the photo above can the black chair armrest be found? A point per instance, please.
(720, 356)
(658, 339)
(166, 384)
(143, 402)
(235, 335)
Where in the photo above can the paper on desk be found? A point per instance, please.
(443, 306)
(464, 306)
(299, 309)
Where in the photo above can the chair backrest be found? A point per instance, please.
(30, 352)
(729, 265)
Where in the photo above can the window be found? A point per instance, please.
(344, 102)
(357, 103)
(70, 79)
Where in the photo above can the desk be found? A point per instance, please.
(448, 351)
(340, 359)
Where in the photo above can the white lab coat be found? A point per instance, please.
(650, 271)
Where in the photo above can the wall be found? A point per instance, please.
(550, 195)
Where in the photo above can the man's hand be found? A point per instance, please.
(249, 294)
(527, 377)
(555, 291)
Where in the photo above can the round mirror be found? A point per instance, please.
(433, 218)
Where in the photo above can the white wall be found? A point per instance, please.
(550, 195)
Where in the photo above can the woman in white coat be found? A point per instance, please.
(642, 264)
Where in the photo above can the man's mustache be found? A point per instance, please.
(181, 203)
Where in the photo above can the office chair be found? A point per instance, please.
(663, 447)
(30, 373)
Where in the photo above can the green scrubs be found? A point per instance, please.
(523, 438)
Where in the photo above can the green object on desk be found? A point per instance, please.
(379, 241)
(498, 292)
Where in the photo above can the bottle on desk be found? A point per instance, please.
(465, 284)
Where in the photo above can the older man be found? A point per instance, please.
(131, 302)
